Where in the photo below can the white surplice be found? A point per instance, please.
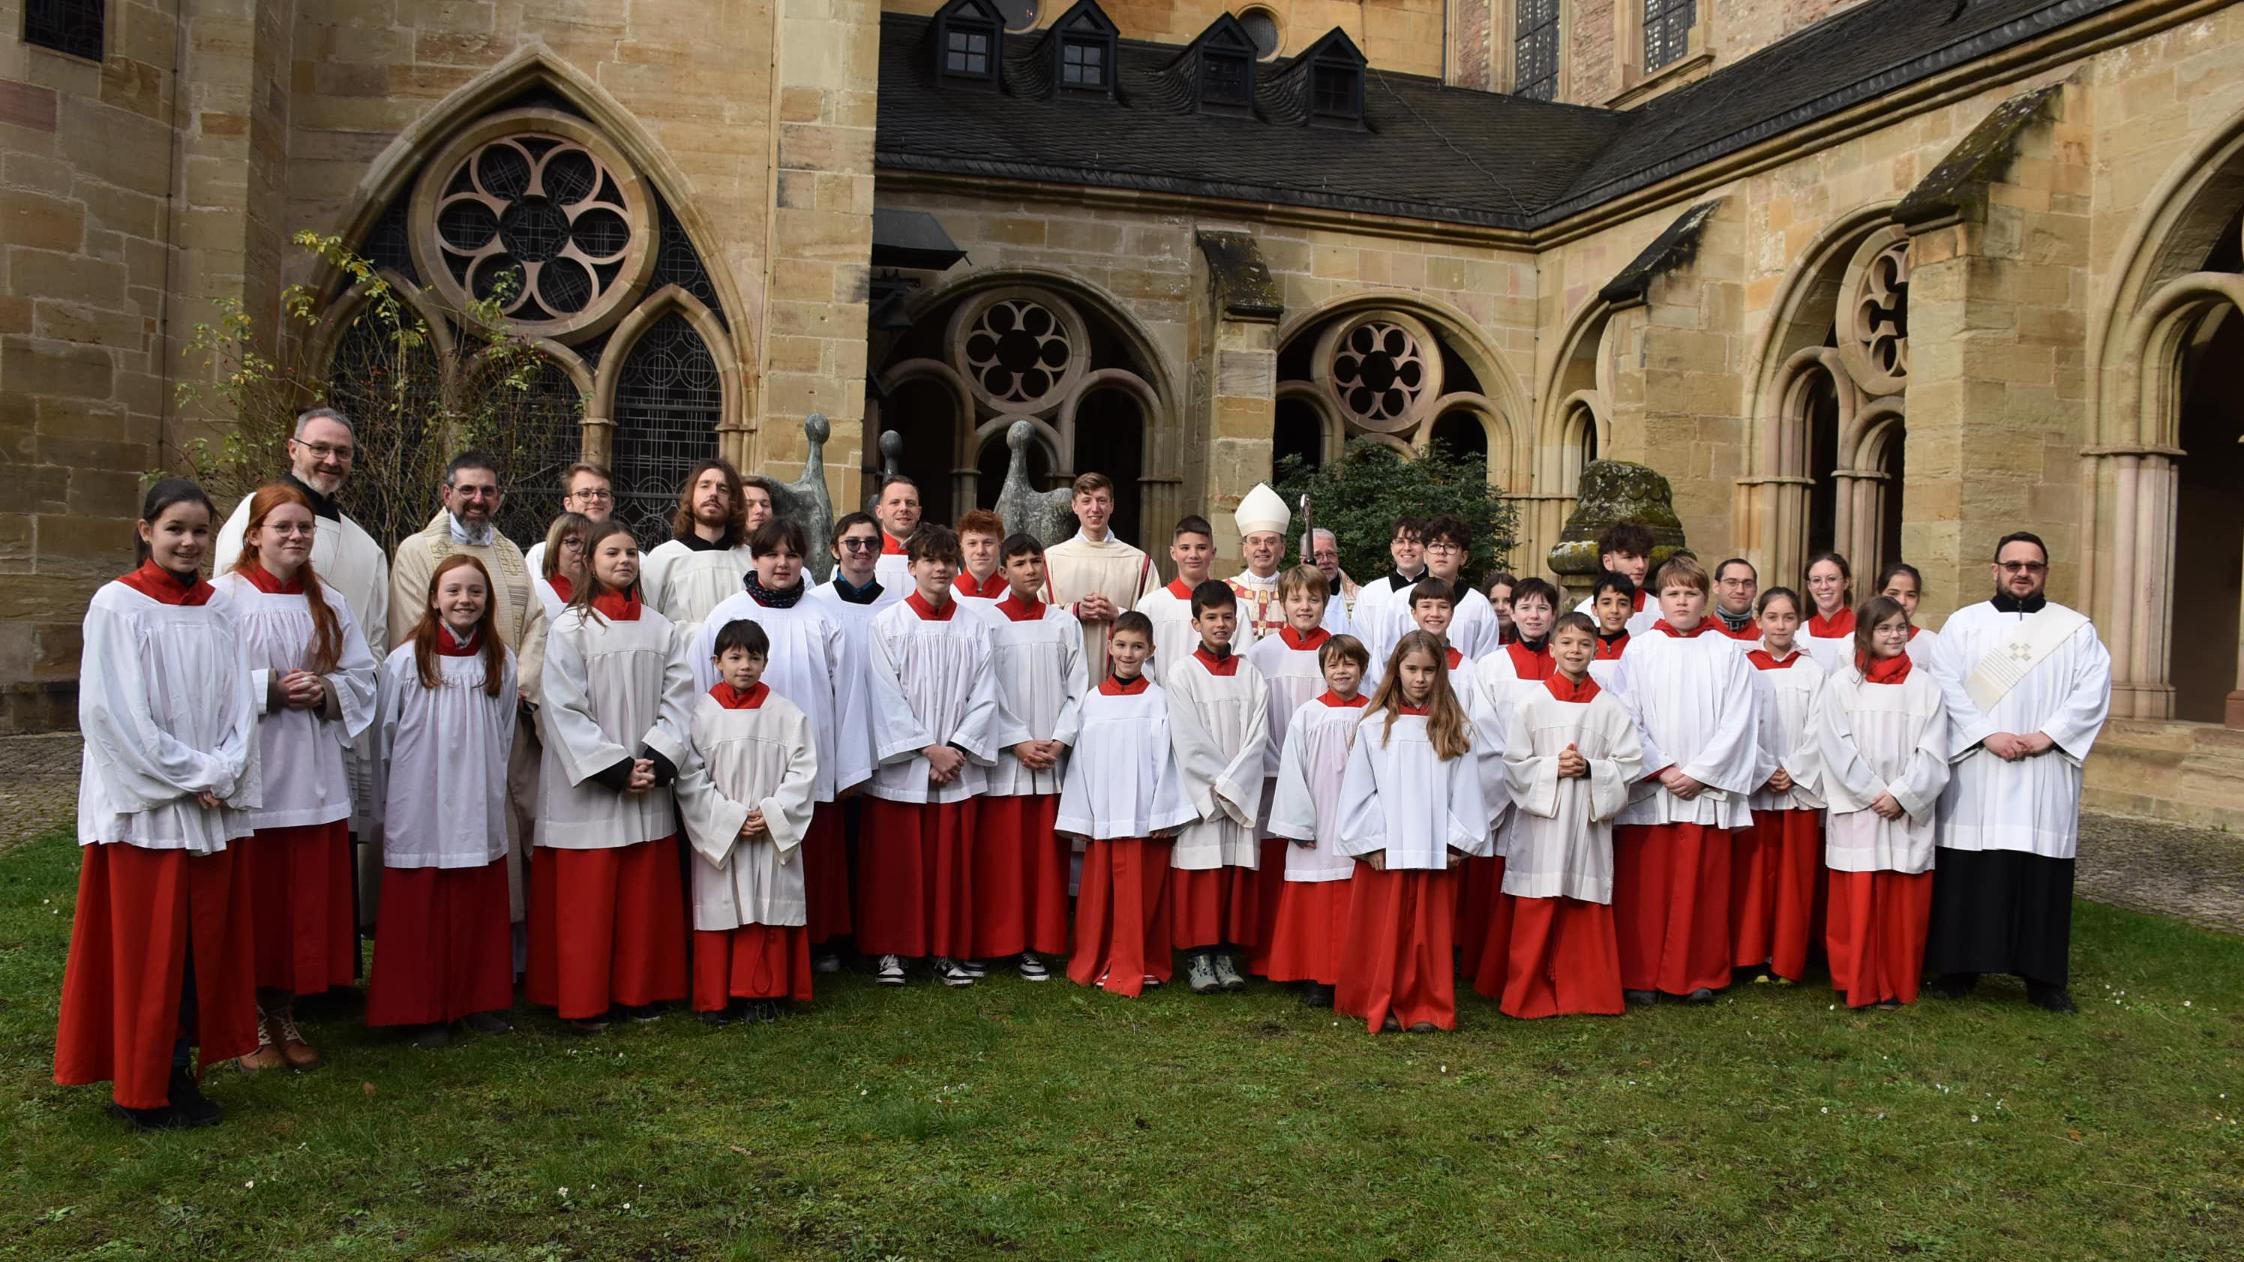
(756, 758)
(167, 710)
(613, 687)
(1312, 762)
(683, 582)
(1336, 618)
(1220, 725)
(1038, 662)
(893, 571)
(302, 753)
(1122, 781)
(1923, 642)
(1074, 568)
(1397, 795)
(1788, 693)
(1169, 608)
(806, 667)
(932, 684)
(443, 757)
(1373, 596)
(1561, 842)
(1292, 676)
(1694, 705)
(2032, 804)
(1472, 626)
(1881, 738)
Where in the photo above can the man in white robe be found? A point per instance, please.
(1095, 575)
(896, 508)
(1406, 547)
(1324, 553)
(1262, 518)
(587, 490)
(704, 561)
(1169, 607)
(2028, 686)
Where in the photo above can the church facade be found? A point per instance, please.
(1890, 276)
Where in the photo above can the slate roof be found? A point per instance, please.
(1425, 151)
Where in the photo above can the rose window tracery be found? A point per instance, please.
(1019, 350)
(1873, 320)
(1382, 369)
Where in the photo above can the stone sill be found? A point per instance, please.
(1643, 87)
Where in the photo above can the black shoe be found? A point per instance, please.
(188, 1100)
(1954, 985)
(1641, 998)
(763, 1012)
(1316, 996)
(641, 1012)
(2049, 998)
(166, 1118)
(489, 1023)
(720, 1017)
(1424, 1027)
(433, 1036)
(1701, 995)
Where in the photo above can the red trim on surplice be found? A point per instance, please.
(162, 586)
(1224, 666)
(928, 612)
(991, 588)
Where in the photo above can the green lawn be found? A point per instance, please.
(1051, 1122)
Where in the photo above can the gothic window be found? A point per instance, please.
(1083, 64)
(1667, 31)
(669, 399)
(540, 433)
(1535, 49)
(66, 26)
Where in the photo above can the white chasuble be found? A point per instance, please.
(1076, 567)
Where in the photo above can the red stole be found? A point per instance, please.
(262, 579)
(991, 588)
(1841, 623)
(1018, 611)
(164, 587)
(1224, 666)
(1889, 670)
(1568, 690)
(929, 612)
(732, 698)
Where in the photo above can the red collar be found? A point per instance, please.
(993, 588)
(1913, 629)
(619, 606)
(1330, 698)
(1180, 589)
(1530, 663)
(1112, 687)
(1692, 634)
(1303, 643)
(1456, 659)
(1418, 710)
(562, 587)
(929, 612)
(1021, 611)
(1832, 628)
(1567, 690)
(1891, 670)
(1610, 650)
(1750, 632)
(1226, 666)
(262, 579)
(732, 698)
(1762, 659)
(890, 546)
(447, 646)
(164, 587)
(1638, 599)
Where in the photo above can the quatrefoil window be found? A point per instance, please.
(1018, 351)
(1379, 372)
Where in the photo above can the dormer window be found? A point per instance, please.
(966, 52)
(967, 42)
(1336, 91)
(1083, 64)
(1226, 79)
(1083, 50)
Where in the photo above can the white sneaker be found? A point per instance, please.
(1032, 968)
(1200, 974)
(952, 973)
(973, 968)
(828, 963)
(1227, 973)
(890, 970)
(1152, 982)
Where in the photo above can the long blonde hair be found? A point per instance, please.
(1445, 719)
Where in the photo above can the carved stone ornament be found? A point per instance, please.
(1381, 368)
(540, 203)
(1873, 315)
(1020, 350)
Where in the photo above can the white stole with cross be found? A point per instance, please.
(2015, 656)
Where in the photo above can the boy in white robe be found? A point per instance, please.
(936, 723)
(1411, 811)
(1020, 862)
(1310, 925)
(1472, 623)
(1776, 866)
(745, 791)
(1219, 719)
(1406, 547)
(1288, 659)
(817, 664)
(1612, 604)
(981, 581)
(1625, 548)
(1691, 695)
(1881, 731)
(1570, 754)
(1192, 551)
(1125, 799)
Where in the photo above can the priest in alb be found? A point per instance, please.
(2028, 686)
(1094, 575)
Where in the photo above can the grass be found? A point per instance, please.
(1052, 1122)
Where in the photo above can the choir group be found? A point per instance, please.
(1365, 790)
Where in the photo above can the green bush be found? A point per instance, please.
(1359, 496)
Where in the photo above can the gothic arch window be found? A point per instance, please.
(669, 397)
(1384, 374)
(1535, 44)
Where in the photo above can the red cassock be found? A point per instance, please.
(1483, 916)
(1122, 916)
(1671, 894)
(1309, 932)
(1776, 891)
(607, 927)
(303, 924)
(443, 947)
(140, 913)
(1876, 936)
(1020, 876)
(1209, 907)
(825, 876)
(915, 878)
(1271, 858)
(750, 962)
(1398, 957)
(1564, 960)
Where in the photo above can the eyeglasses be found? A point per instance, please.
(290, 528)
(476, 492)
(600, 496)
(572, 544)
(327, 451)
(2022, 567)
(859, 545)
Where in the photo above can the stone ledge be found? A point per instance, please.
(2180, 773)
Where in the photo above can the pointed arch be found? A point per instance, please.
(668, 300)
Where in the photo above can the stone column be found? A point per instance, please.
(1235, 379)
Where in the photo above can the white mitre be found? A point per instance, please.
(1262, 509)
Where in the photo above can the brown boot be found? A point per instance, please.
(293, 1048)
(267, 1055)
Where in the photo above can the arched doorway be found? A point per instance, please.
(2208, 664)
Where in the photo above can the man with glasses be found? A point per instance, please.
(466, 524)
(1736, 586)
(2028, 685)
(587, 489)
(1324, 553)
(320, 457)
